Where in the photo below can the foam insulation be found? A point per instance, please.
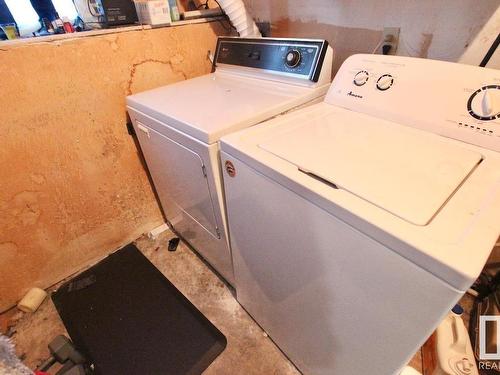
(73, 187)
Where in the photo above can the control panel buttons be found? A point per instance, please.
(361, 78)
(385, 82)
(254, 55)
(300, 59)
(484, 104)
(292, 58)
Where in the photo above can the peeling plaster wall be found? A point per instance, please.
(72, 186)
(438, 29)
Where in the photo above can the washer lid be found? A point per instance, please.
(404, 171)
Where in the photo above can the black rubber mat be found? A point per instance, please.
(127, 318)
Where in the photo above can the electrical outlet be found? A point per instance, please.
(390, 37)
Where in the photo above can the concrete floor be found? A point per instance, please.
(249, 350)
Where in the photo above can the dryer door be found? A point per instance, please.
(180, 178)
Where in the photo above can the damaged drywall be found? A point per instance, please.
(345, 40)
(73, 187)
(438, 29)
(478, 48)
(144, 71)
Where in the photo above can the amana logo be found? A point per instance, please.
(350, 93)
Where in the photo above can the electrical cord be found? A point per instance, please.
(378, 46)
(203, 5)
(490, 52)
(91, 11)
(227, 18)
(228, 29)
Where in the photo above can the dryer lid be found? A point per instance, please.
(407, 172)
(213, 105)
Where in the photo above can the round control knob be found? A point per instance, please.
(484, 104)
(385, 82)
(292, 58)
(361, 78)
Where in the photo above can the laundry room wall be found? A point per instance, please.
(437, 29)
(72, 184)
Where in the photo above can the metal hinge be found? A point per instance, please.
(204, 170)
(217, 230)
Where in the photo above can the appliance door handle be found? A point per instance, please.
(143, 129)
(460, 342)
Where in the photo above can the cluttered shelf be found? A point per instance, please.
(46, 20)
(49, 38)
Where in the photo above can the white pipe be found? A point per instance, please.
(240, 18)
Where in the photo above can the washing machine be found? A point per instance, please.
(178, 127)
(356, 224)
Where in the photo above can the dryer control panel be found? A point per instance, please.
(299, 58)
(455, 100)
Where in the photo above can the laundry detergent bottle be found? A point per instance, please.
(453, 347)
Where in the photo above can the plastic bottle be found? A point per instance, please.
(453, 348)
(174, 10)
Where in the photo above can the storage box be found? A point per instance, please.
(153, 12)
(118, 12)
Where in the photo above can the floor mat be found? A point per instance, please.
(127, 318)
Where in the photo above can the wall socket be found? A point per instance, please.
(390, 37)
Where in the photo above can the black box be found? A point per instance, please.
(119, 12)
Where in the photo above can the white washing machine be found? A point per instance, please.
(178, 127)
(357, 223)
